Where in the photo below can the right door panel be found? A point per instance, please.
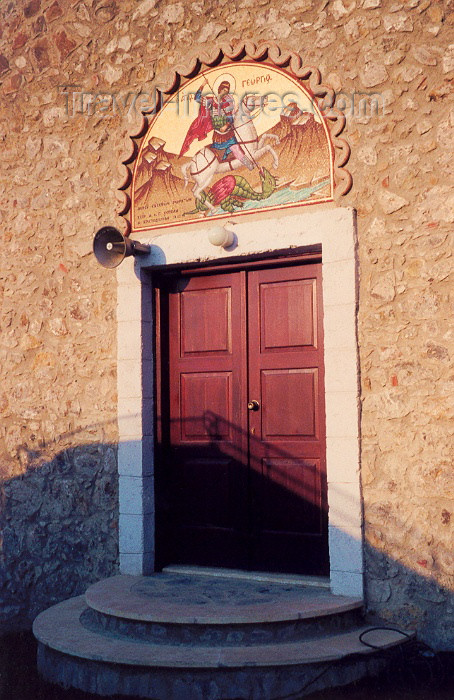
(286, 433)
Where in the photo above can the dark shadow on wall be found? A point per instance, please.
(59, 530)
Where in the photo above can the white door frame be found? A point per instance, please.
(335, 230)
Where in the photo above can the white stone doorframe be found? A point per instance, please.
(335, 230)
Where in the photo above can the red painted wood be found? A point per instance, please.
(207, 456)
(245, 489)
(287, 434)
(206, 321)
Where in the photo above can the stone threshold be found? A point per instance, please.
(242, 575)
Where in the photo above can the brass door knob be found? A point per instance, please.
(253, 405)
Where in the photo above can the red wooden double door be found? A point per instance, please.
(241, 480)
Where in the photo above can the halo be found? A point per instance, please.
(225, 76)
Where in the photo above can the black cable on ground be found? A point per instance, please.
(411, 664)
(412, 652)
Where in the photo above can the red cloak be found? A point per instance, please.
(199, 129)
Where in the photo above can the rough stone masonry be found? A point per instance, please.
(59, 174)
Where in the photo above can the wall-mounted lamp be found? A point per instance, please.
(222, 236)
(111, 247)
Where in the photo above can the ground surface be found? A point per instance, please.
(419, 678)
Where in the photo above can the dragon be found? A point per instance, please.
(232, 191)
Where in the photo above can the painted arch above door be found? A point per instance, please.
(246, 129)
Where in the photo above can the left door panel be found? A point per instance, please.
(207, 460)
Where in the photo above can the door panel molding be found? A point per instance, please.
(300, 421)
(214, 336)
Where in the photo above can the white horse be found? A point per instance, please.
(204, 165)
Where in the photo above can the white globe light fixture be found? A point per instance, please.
(221, 236)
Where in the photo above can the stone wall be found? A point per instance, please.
(60, 173)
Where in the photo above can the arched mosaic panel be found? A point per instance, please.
(248, 130)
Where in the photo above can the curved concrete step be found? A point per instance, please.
(196, 600)
(192, 609)
(60, 629)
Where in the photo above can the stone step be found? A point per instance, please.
(219, 634)
(60, 628)
(193, 609)
(250, 683)
(184, 636)
(193, 599)
(106, 663)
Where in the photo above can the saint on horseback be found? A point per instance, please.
(235, 142)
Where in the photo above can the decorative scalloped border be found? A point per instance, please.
(266, 51)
